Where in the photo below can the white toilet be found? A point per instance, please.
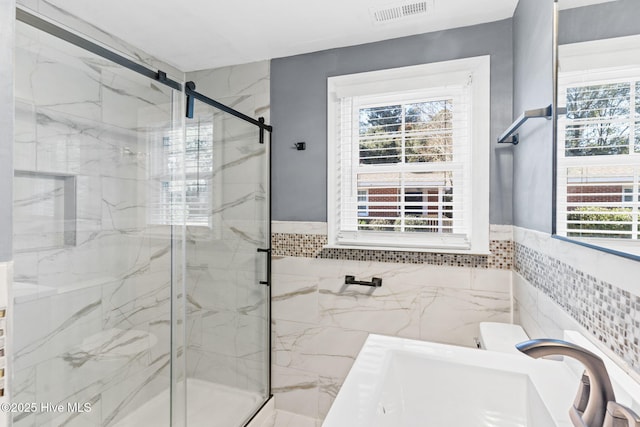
(501, 337)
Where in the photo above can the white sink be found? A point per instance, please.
(415, 391)
(397, 382)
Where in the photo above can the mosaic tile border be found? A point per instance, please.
(297, 245)
(312, 246)
(611, 314)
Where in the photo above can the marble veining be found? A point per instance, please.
(226, 316)
(319, 323)
(23, 350)
(293, 294)
(239, 162)
(109, 344)
(101, 331)
(58, 14)
(159, 368)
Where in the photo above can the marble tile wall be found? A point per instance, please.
(244, 87)
(92, 313)
(7, 113)
(7, 47)
(227, 321)
(55, 13)
(559, 285)
(319, 324)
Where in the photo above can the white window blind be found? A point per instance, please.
(167, 200)
(599, 154)
(402, 170)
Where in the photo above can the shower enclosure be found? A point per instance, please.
(141, 244)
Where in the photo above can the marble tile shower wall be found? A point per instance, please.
(54, 12)
(91, 309)
(319, 324)
(226, 320)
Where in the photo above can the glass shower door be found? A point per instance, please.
(97, 150)
(141, 248)
(227, 268)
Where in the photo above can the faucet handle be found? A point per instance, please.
(582, 398)
(620, 416)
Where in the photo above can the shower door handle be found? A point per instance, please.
(268, 252)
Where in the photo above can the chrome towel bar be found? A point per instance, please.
(509, 136)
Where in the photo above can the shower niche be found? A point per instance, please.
(45, 210)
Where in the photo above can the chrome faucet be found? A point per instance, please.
(586, 411)
(620, 416)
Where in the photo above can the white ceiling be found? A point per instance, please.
(199, 34)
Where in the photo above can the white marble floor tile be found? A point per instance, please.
(208, 404)
(289, 419)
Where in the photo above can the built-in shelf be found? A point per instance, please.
(46, 209)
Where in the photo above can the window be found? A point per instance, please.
(409, 157)
(167, 206)
(599, 148)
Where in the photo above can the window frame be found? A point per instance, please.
(606, 61)
(402, 81)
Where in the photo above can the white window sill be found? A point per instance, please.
(441, 250)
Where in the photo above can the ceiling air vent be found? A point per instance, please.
(404, 10)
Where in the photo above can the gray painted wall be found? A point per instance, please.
(532, 88)
(299, 110)
(7, 16)
(601, 21)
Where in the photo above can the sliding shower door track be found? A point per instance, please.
(190, 91)
(76, 40)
